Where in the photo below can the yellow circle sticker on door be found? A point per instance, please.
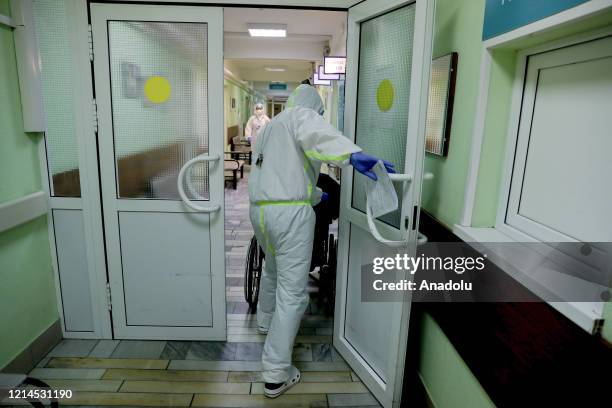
(157, 89)
(384, 95)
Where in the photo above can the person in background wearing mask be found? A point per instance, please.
(282, 190)
(255, 124)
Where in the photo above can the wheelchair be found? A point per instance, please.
(324, 251)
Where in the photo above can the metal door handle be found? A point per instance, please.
(376, 234)
(400, 177)
(422, 239)
(203, 158)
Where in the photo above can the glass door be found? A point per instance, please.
(156, 68)
(388, 58)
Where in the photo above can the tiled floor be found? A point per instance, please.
(201, 373)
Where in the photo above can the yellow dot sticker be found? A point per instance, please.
(157, 89)
(384, 95)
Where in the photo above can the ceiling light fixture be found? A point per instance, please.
(275, 69)
(267, 30)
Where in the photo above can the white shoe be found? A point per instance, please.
(294, 378)
(262, 330)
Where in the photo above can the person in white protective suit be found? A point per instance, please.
(255, 124)
(282, 191)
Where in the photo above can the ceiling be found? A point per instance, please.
(309, 33)
(299, 22)
(255, 70)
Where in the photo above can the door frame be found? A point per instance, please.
(89, 202)
(387, 394)
(213, 17)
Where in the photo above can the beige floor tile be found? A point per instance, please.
(322, 366)
(313, 339)
(248, 338)
(215, 365)
(294, 401)
(165, 375)
(352, 400)
(186, 387)
(254, 338)
(86, 385)
(245, 376)
(319, 388)
(307, 376)
(108, 363)
(132, 399)
(241, 323)
(326, 376)
(67, 373)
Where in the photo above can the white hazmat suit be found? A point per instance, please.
(282, 190)
(255, 124)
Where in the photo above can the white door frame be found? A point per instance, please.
(388, 394)
(564, 18)
(89, 202)
(213, 17)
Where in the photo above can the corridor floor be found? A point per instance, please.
(201, 373)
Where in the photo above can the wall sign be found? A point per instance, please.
(277, 86)
(334, 65)
(502, 16)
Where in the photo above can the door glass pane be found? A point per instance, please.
(385, 61)
(159, 95)
(51, 25)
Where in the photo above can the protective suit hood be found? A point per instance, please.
(306, 96)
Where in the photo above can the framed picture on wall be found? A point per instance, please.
(440, 105)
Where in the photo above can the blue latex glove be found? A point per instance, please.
(249, 139)
(324, 197)
(363, 163)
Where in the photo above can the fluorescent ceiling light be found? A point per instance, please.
(275, 69)
(267, 30)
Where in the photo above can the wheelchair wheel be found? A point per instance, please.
(252, 273)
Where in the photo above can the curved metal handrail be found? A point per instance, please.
(203, 158)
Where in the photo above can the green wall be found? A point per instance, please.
(493, 153)
(244, 107)
(459, 29)
(447, 380)
(27, 295)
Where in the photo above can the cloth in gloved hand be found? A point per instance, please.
(381, 194)
(363, 163)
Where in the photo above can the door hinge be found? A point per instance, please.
(94, 111)
(109, 303)
(90, 42)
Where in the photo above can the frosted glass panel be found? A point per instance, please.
(159, 106)
(385, 61)
(58, 97)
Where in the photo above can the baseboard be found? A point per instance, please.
(36, 350)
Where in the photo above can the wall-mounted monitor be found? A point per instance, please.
(318, 81)
(324, 76)
(440, 105)
(334, 65)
